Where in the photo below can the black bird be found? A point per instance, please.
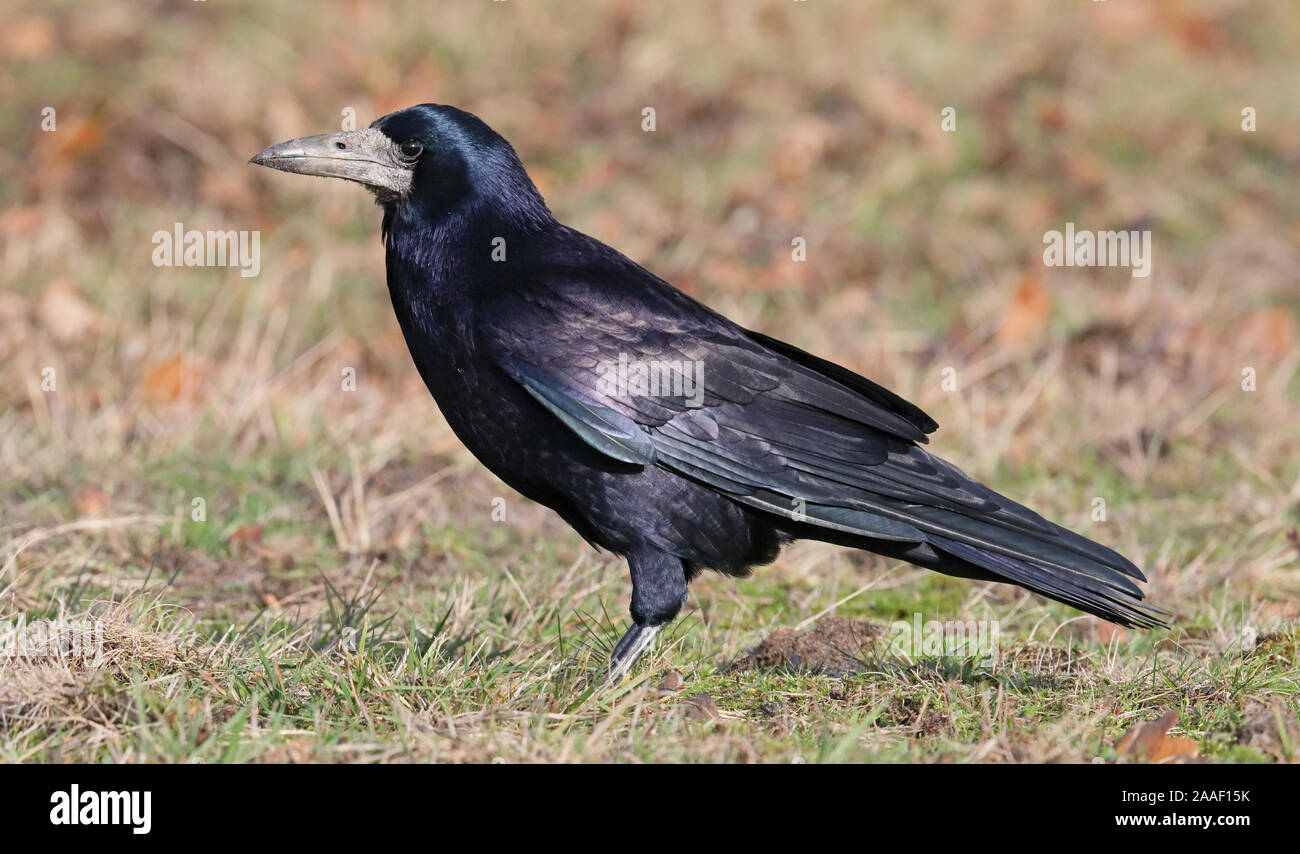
(656, 427)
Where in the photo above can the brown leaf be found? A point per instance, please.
(1027, 315)
(168, 380)
(1270, 332)
(1174, 749)
(91, 502)
(672, 683)
(1196, 31)
(77, 136)
(248, 539)
(1149, 741)
(246, 535)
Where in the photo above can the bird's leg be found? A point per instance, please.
(658, 593)
(628, 651)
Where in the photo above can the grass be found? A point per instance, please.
(347, 592)
(397, 667)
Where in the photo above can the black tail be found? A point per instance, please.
(1090, 587)
(1043, 557)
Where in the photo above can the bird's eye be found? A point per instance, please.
(411, 149)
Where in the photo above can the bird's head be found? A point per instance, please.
(433, 155)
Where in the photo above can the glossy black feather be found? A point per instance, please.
(784, 445)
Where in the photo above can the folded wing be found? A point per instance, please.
(791, 435)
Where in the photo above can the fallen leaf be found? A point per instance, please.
(77, 137)
(247, 539)
(1150, 741)
(1196, 31)
(246, 535)
(168, 380)
(1270, 332)
(672, 683)
(1027, 315)
(91, 502)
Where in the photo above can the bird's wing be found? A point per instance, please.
(781, 431)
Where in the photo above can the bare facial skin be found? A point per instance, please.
(365, 156)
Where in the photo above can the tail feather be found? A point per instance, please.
(1057, 563)
(1085, 588)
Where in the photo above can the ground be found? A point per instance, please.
(240, 484)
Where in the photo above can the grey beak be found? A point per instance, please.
(365, 156)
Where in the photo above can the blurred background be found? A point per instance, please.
(773, 120)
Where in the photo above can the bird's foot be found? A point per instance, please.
(628, 651)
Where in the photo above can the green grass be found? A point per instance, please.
(383, 615)
(436, 654)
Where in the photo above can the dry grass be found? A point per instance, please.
(348, 596)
